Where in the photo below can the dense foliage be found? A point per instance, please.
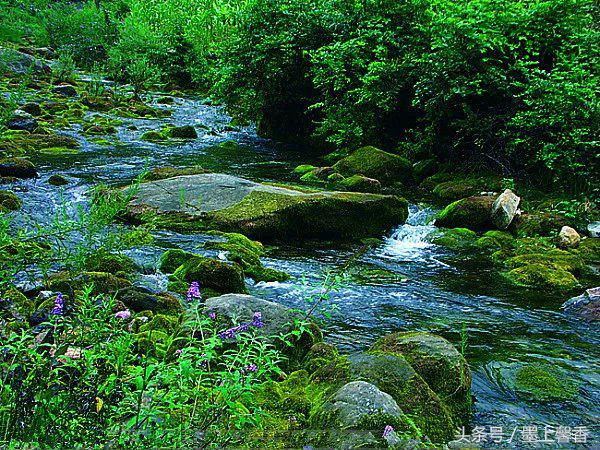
(511, 84)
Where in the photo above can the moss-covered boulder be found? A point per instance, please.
(473, 213)
(17, 168)
(542, 276)
(210, 273)
(544, 383)
(9, 201)
(537, 224)
(454, 238)
(303, 168)
(140, 299)
(442, 367)
(378, 164)
(495, 240)
(15, 306)
(167, 324)
(182, 132)
(116, 264)
(19, 144)
(392, 374)
(161, 173)
(425, 168)
(57, 180)
(360, 183)
(103, 283)
(247, 254)
(260, 211)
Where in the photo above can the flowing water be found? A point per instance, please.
(435, 290)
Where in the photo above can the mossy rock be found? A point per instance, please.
(17, 168)
(104, 283)
(140, 299)
(153, 343)
(57, 180)
(392, 374)
(537, 224)
(544, 384)
(262, 212)
(165, 100)
(455, 190)
(152, 136)
(368, 274)
(442, 367)
(378, 164)
(589, 250)
(162, 323)
(173, 258)
(425, 168)
(495, 240)
(212, 273)
(111, 263)
(182, 132)
(161, 173)
(58, 151)
(360, 183)
(14, 305)
(24, 144)
(454, 238)
(542, 276)
(303, 168)
(9, 202)
(473, 213)
(554, 258)
(246, 253)
(311, 177)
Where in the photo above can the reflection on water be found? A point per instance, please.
(442, 292)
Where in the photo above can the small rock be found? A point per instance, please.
(594, 229)
(183, 132)
(66, 90)
(32, 108)
(568, 238)
(9, 201)
(57, 180)
(504, 209)
(22, 120)
(586, 305)
(17, 168)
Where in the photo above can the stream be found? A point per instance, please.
(436, 290)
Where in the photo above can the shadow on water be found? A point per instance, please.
(442, 293)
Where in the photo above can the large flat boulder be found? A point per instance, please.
(260, 211)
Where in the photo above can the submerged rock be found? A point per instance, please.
(544, 384)
(504, 209)
(437, 361)
(586, 305)
(66, 90)
(264, 212)
(161, 173)
(9, 201)
(374, 163)
(17, 168)
(57, 180)
(21, 120)
(568, 237)
(473, 213)
(183, 132)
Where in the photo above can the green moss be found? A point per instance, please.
(162, 323)
(374, 163)
(554, 258)
(335, 177)
(152, 136)
(544, 384)
(104, 283)
(472, 212)
(59, 151)
(311, 177)
(152, 343)
(9, 201)
(367, 274)
(23, 144)
(172, 259)
(303, 168)
(183, 132)
(211, 273)
(359, 183)
(495, 240)
(161, 173)
(542, 276)
(247, 254)
(18, 303)
(136, 237)
(454, 238)
(110, 263)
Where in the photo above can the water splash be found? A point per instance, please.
(409, 240)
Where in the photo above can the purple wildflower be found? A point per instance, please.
(387, 431)
(125, 314)
(250, 368)
(212, 315)
(194, 291)
(59, 305)
(257, 320)
(178, 352)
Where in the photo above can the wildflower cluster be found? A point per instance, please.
(193, 292)
(231, 333)
(59, 305)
